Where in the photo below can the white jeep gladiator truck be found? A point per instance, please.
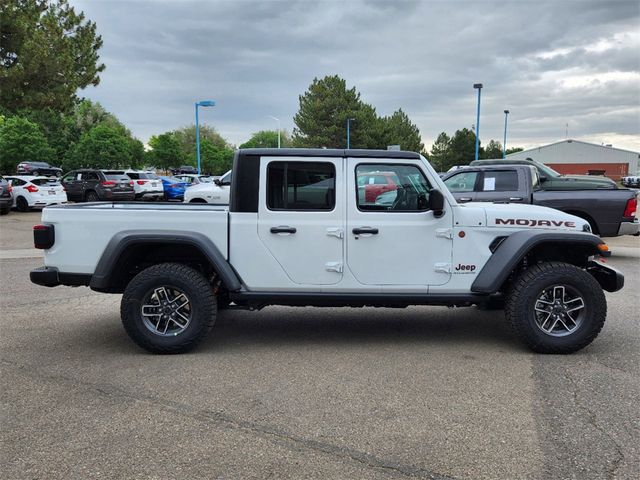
(303, 228)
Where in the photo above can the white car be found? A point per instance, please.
(36, 192)
(216, 192)
(147, 185)
(194, 179)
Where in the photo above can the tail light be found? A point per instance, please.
(141, 182)
(632, 205)
(43, 236)
(10, 188)
(31, 188)
(131, 183)
(108, 183)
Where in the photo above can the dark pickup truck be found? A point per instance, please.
(610, 212)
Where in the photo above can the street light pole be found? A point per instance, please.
(504, 143)
(349, 120)
(478, 86)
(202, 103)
(277, 120)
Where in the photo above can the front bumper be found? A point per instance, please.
(611, 279)
(629, 228)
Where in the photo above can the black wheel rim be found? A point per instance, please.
(559, 310)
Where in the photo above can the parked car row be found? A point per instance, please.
(631, 181)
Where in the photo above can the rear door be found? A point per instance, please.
(501, 186)
(301, 221)
(72, 182)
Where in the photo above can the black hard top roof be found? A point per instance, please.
(327, 152)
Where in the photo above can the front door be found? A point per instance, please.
(73, 185)
(301, 222)
(394, 239)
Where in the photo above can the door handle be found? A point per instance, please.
(464, 199)
(515, 199)
(364, 230)
(283, 229)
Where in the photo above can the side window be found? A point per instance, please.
(391, 187)
(500, 181)
(462, 182)
(70, 177)
(301, 186)
(16, 182)
(133, 175)
(89, 176)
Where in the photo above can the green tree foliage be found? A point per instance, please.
(22, 140)
(267, 139)
(440, 151)
(186, 137)
(58, 128)
(101, 147)
(492, 150)
(399, 130)
(514, 150)
(47, 52)
(214, 159)
(165, 151)
(462, 148)
(87, 114)
(324, 110)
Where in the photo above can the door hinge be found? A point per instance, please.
(442, 267)
(333, 267)
(444, 233)
(335, 232)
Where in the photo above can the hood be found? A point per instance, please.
(521, 216)
(604, 181)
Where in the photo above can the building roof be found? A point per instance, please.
(569, 140)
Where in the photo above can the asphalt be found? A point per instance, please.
(422, 392)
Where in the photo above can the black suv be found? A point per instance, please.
(89, 185)
(6, 199)
(38, 168)
(184, 169)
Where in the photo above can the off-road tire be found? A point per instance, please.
(525, 291)
(22, 205)
(91, 196)
(175, 275)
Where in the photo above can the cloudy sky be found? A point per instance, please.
(551, 63)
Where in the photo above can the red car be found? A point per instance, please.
(373, 184)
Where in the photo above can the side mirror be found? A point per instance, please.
(217, 182)
(436, 202)
(543, 178)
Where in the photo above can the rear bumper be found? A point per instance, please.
(51, 277)
(151, 194)
(120, 196)
(629, 228)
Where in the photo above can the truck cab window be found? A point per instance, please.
(301, 186)
(462, 182)
(401, 188)
(500, 181)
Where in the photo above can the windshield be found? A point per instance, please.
(45, 181)
(548, 171)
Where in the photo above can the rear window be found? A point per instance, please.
(301, 186)
(45, 181)
(142, 175)
(116, 176)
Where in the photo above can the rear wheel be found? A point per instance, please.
(5, 210)
(168, 308)
(91, 196)
(22, 205)
(556, 308)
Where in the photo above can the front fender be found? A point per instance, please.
(514, 248)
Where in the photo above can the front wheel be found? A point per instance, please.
(168, 308)
(556, 308)
(22, 205)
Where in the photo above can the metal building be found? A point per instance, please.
(575, 157)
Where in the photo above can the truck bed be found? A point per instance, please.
(83, 230)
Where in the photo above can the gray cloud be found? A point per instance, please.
(550, 63)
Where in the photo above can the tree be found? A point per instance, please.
(138, 157)
(58, 128)
(398, 130)
(440, 152)
(267, 139)
(166, 151)
(514, 150)
(47, 52)
(22, 140)
(186, 137)
(462, 148)
(101, 147)
(322, 117)
(87, 114)
(492, 150)
(214, 159)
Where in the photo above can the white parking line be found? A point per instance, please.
(20, 253)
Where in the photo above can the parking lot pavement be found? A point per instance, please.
(421, 392)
